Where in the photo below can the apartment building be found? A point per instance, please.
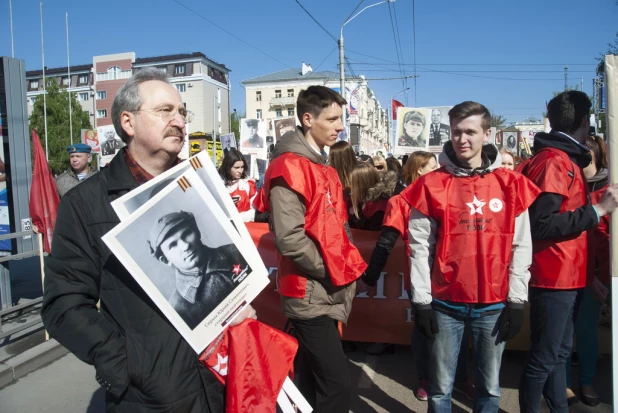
(274, 96)
(203, 85)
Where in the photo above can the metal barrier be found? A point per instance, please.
(5, 286)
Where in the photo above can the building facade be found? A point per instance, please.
(274, 96)
(203, 85)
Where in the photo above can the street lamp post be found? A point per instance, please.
(341, 54)
(390, 119)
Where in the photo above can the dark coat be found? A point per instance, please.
(143, 363)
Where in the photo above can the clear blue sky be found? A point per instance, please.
(477, 39)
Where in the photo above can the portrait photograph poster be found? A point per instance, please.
(206, 171)
(253, 134)
(109, 143)
(217, 253)
(439, 129)
(412, 130)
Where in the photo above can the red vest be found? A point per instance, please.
(396, 216)
(475, 219)
(559, 263)
(325, 217)
(244, 190)
(598, 258)
(373, 207)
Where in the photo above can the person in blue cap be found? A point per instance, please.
(79, 169)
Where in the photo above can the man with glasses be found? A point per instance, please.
(141, 361)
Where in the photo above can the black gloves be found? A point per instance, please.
(425, 319)
(510, 322)
(370, 279)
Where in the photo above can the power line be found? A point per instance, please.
(317, 22)
(231, 34)
(354, 11)
(414, 48)
(400, 53)
(390, 14)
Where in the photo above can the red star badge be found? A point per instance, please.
(236, 269)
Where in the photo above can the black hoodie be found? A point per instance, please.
(546, 221)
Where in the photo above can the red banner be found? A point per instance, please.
(396, 104)
(383, 315)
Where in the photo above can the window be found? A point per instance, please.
(65, 81)
(83, 79)
(34, 84)
(291, 112)
(277, 93)
(113, 73)
(181, 87)
(83, 96)
(259, 114)
(179, 69)
(258, 96)
(278, 113)
(101, 94)
(101, 113)
(290, 93)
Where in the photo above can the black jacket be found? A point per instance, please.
(140, 359)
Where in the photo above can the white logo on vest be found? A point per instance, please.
(476, 206)
(495, 205)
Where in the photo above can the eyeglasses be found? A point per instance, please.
(168, 113)
(379, 167)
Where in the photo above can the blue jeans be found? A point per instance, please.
(551, 340)
(443, 354)
(421, 356)
(586, 325)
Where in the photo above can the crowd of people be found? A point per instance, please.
(484, 232)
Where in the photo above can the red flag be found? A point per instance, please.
(43, 195)
(252, 360)
(396, 104)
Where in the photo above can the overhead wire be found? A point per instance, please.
(405, 85)
(316, 21)
(390, 14)
(230, 33)
(414, 47)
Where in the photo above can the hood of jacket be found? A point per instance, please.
(383, 189)
(579, 153)
(489, 154)
(599, 180)
(295, 142)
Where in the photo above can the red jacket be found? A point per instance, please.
(559, 263)
(475, 217)
(396, 216)
(244, 190)
(325, 219)
(598, 258)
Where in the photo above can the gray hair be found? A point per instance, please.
(128, 99)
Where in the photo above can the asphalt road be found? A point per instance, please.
(383, 384)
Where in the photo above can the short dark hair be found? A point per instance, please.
(567, 111)
(470, 108)
(315, 99)
(229, 160)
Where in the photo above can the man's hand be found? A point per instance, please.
(608, 202)
(247, 312)
(510, 322)
(599, 291)
(426, 322)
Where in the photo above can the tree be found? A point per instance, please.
(235, 126)
(497, 121)
(58, 123)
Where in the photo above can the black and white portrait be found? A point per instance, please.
(439, 128)
(510, 141)
(228, 141)
(109, 141)
(283, 126)
(412, 128)
(252, 133)
(185, 253)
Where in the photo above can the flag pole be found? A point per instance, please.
(11, 21)
(611, 82)
(69, 86)
(44, 86)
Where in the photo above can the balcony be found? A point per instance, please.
(282, 102)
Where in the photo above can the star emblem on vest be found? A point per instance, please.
(495, 205)
(476, 206)
(221, 366)
(236, 269)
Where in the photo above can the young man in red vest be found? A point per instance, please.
(317, 263)
(559, 219)
(470, 249)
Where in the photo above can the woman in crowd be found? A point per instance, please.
(342, 158)
(380, 163)
(587, 320)
(243, 190)
(419, 163)
(508, 159)
(392, 164)
(395, 225)
(370, 191)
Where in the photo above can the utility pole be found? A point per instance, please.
(566, 77)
